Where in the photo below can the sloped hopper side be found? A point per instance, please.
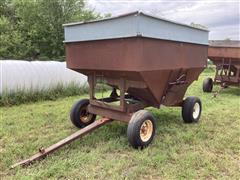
(167, 68)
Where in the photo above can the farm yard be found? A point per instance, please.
(124, 56)
(207, 150)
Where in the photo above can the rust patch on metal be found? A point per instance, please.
(146, 65)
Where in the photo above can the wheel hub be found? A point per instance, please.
(146, 130)
(196, 110)
(85, 116)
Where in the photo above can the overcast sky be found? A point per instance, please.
(220, 16)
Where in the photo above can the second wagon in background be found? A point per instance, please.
(225, 55)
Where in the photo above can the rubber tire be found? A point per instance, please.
(75, 114)
(133, 130)
(207, 85)
(187, 109)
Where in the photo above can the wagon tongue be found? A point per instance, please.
(44, 152)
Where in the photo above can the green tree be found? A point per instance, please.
(34, 27)
(10, 38)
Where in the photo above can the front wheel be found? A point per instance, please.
(79, 115)
(191, 110)
(141, 129)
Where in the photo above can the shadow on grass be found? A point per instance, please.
(117, 130)
(231, 90)
(165, 118)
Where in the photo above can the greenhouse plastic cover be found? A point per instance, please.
(36, 75)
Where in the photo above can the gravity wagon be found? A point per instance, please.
(150, 61)
(146, 62)
(225, 55)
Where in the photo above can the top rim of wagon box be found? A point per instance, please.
(136, 13)
(224, 43)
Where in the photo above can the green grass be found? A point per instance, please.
(208, 150)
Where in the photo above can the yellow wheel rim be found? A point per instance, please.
(146, 130)
(85, 117)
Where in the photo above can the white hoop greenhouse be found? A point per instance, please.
(36, 75)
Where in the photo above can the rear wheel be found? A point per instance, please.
(141, 129)
(207, 85)
(79, 115)
(191, 109)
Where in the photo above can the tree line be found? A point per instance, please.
(32, 29)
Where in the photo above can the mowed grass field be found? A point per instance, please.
(207, 150)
